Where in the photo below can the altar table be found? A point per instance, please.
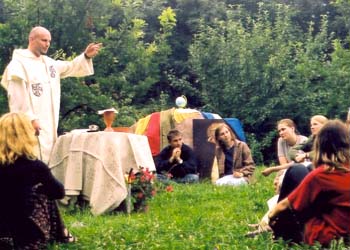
(94, 164)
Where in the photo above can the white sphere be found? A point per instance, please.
(181, 102)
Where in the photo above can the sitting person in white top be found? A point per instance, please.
(289, 137)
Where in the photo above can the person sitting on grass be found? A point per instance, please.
(235, 163)
(321, 202)
(297, 172)
(29, 216)
(289, 137)
(302, 152)
(176, 160)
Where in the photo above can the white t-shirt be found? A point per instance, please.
(283, 147)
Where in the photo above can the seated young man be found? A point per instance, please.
(177, 160)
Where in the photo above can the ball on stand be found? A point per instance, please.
(181, 101)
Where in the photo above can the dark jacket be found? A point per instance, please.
(189, 165)
(16, 184)
(305, 146)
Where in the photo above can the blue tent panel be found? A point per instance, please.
(236, 126)
(207, 115)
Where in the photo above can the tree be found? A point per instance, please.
(257, 69)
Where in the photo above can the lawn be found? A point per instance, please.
(200, 216)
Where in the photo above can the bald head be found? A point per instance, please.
(39, 40)
(36, 31)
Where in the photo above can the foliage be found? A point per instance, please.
(79, 106)
(167, 20)
(271, 71)
(3, 101)
(256, 148)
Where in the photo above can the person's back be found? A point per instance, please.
(17, 182)
(327, 207)
(28, 213)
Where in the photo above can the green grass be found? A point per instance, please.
(200, 216)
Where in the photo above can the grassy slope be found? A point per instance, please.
(200, 216)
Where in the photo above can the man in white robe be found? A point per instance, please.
(32, 81)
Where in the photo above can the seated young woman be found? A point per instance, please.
(29, 215)
(301, 152)
(321, 202)
(235, 162)
(288, 138)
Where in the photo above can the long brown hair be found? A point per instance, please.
(217, 135)
(16, 138)
(332, 146)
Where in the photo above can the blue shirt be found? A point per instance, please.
(229, 160)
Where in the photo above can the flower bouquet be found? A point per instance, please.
(140, 189)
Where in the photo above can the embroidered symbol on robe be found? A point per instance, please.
(52, 71)
(37, 89)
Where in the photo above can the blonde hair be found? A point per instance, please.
(17, 138)
(288, 122)
(320, 119)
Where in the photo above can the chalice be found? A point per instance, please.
(108, 118)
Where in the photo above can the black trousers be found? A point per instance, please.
(288, 225)
(293, 177)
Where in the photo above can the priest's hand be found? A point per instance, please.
(92, 50)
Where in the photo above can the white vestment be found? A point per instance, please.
(33, 87)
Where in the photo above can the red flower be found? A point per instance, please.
(169, 188)
(142, 187)
(143, 178)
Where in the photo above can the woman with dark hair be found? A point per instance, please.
(321, 202)
(29, 215)
(235, 162)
